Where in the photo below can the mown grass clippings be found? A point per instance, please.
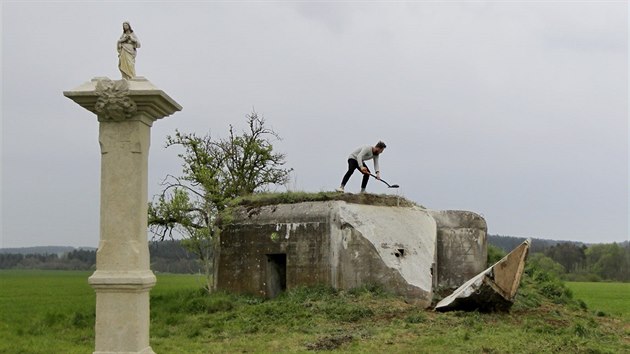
(263, 199)
(416, 317)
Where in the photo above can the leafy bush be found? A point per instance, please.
(546, 264)
(494, 254)
(542, 281)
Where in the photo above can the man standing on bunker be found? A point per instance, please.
(356, 161)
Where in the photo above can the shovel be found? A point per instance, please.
(388, 185)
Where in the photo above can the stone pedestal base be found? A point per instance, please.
(122, 310)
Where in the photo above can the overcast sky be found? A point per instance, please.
(515, 110)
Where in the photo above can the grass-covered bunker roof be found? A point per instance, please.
(263, 199)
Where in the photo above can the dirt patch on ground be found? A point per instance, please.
(329, 342)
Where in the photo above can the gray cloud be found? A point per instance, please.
(514, 110)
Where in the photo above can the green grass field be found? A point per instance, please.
(53, 312)
(604, 298)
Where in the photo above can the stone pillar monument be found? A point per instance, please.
(126, 109)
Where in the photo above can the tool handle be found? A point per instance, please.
(380, 179)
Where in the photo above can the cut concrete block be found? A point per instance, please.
(462, 247)
(493, 289)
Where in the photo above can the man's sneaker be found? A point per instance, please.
(340, 189)
(362, 190)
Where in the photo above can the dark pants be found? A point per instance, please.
(352, 166)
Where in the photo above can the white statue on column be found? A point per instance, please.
(126, 110)
(127, 45)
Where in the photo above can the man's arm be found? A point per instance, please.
(363, 152)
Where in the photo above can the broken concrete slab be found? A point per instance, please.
(493, 289)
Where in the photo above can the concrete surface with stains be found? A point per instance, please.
(268, 249)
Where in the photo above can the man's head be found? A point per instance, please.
(380, 146)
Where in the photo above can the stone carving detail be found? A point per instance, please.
(113, 102)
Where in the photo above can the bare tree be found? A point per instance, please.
(214, 172)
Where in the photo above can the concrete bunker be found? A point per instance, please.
(267, 249)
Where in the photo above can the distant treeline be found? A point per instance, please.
(73, 260)
(570, 260)
(575, 261)
(41, 250)
(166, 256)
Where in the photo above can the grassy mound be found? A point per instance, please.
(544, 318)
(53, 312)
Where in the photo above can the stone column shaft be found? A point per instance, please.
(124, 165)
(123, 278)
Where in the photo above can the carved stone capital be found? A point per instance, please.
(123, 100)
(113, 102)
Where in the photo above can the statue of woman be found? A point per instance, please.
(127, 45)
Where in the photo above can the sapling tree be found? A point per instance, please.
(214, 171)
